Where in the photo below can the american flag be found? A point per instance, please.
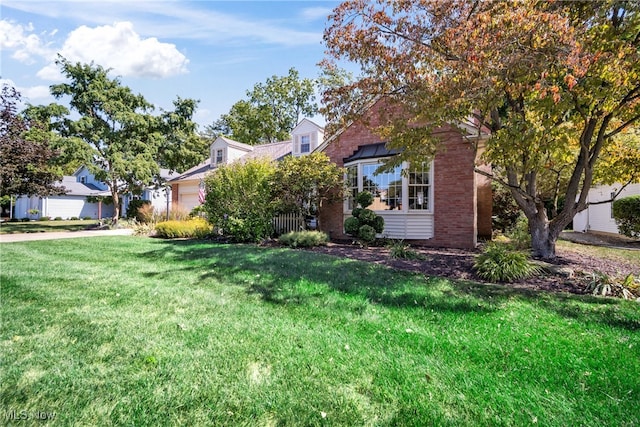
(201, 194)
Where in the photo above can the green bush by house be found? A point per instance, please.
(364, 223)
(626, 212)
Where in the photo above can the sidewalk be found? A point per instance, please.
(26, 237)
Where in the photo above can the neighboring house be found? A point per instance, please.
(599, 216)
(73, 204)
(440, 202)
(79, 201)
(156, 194)
(305, 137)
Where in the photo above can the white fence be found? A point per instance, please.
(285, 223)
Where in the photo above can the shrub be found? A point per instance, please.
(44, 218)
(239, 199)
(364, 223)
(134, 207)
(86, 217)
(519, 234)
(74, 218)
(626, 212)
(304, 239)
(193, 228)
(601, 284)
(367, 234)
(500, 263)
(364, 199)
(177, 213)
(351, 225)
(398, 249)
(58, 218)
(505, 209)
(140, 229)
(146, 213)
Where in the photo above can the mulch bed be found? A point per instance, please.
(570, 271)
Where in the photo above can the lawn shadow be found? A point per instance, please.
(285, 276)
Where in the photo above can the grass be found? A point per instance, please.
(45, 226)
(603, 252)
(136, 331)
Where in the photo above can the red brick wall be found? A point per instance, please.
(456, 202)
(454, 193)
(174, 193)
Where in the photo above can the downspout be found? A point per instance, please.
(588, 226)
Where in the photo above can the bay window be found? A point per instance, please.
(392, 189)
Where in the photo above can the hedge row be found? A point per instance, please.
(193, 228)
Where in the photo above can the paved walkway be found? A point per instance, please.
(25, 237)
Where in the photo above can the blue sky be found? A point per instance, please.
(213, 51)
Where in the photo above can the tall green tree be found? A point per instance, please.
(181, 146)
(304, 184)
(124, 143)
(271, 111)
(555, 83)
(27, 164)
(114, 125)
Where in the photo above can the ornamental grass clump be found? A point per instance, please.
(304, 239)
(194, 228)
(501, 263)
(398, 249)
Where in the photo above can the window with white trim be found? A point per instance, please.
(219, 156)
(386, 187)
(305, 144)
(419, 188)
(392, 190)
(352, 186)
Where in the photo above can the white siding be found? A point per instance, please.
(64, 207)
(406, 226)
(306, 127)
(597, 217)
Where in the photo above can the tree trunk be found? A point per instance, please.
(543, 243)
(116, 206)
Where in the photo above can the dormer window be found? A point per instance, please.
(219, 156)
(83, 179)
(305, 144)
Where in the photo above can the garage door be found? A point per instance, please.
(189, 200)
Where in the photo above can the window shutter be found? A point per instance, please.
(314, 141)
(296, 146)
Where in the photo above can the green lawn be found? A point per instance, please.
(45, 226)
(137, 331)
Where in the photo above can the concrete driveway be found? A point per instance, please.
(25, 237)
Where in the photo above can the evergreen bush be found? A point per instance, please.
(626, 212)
(364, 223)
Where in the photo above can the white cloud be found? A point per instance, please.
(32, 95)
(26, 47)
(120, 48)
(176, 19)
(316, 13)
(40, 92)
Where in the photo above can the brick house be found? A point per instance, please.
(442, 202)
